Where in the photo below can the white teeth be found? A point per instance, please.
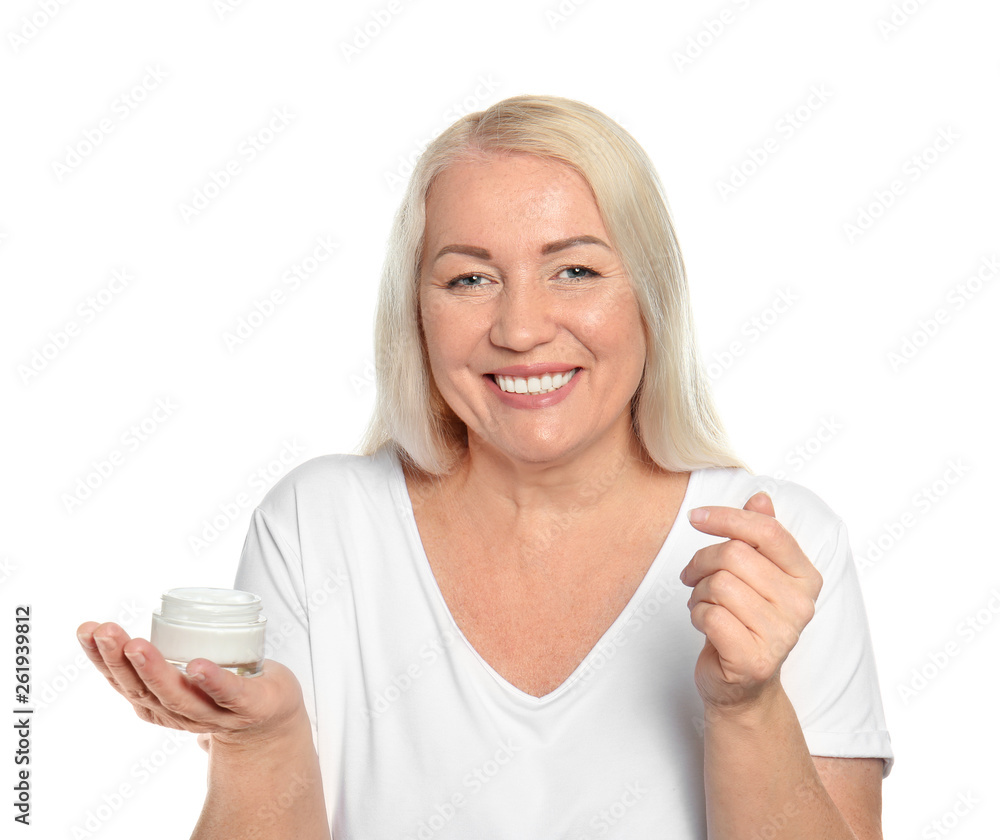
(534, 384)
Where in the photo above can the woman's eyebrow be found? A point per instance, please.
(550, 248)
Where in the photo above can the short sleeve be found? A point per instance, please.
(830, 675)
(271, 568)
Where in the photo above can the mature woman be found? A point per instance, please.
(480, 626)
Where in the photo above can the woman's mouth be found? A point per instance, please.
(544, 384)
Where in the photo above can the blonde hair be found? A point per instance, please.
(673, 414)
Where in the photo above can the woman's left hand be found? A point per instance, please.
(753, 594)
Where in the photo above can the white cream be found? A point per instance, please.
(534, 384)
(222, 625)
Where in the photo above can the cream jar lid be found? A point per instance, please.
(211, 606)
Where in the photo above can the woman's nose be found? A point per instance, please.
(524, 316)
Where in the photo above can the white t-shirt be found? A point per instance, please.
(418, 737)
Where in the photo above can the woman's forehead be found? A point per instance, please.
(524, 170)
(477, 197)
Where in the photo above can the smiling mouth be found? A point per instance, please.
(544, 384)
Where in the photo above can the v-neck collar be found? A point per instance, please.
(649, 579)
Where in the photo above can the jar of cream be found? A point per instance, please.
(222, 625)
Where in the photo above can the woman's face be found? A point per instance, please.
(518, 277)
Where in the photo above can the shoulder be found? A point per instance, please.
(807, 517)
(328, 481)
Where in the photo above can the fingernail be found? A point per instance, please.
(197, 676)
(698, 515)
(136, 658)
(103, 643)
(85, 641)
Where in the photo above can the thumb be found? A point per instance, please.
(223, 687)
(761, 503)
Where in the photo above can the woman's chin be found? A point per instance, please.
(537, 450)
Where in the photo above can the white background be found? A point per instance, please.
(908, 456)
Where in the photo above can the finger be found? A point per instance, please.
(85, 635)
(111, 640)
(255, 707)
(755, 613)
(743, 561)
(758, 530)
(735, 644)
(226, 689)
(172, 690)
(761, 503)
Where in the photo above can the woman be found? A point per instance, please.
(480, 621)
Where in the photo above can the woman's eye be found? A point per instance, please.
(458, 281)
(586, 272)
(576, 272)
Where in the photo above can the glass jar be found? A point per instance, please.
(222, 625)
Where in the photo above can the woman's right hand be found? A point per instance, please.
(206, 699)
